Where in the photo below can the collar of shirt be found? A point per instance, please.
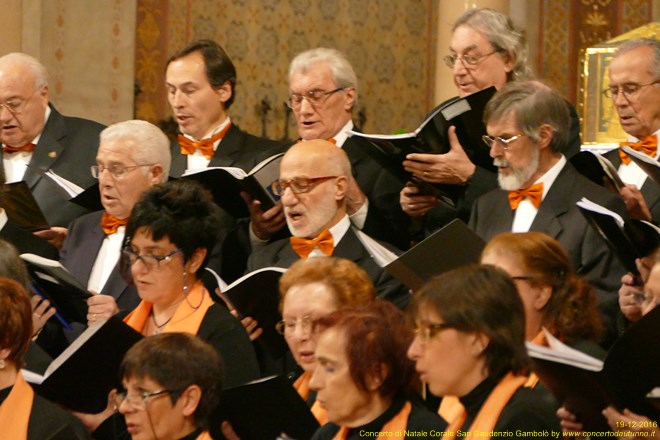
(337, 231)
(3, 218)
(341, 137)
(526, 213)
(632, 173)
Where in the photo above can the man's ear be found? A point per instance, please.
(156, 174)
(350, 95)
(544, 136)
(225, 92)
(341, 187)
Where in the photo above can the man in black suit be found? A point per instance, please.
(635, 92)
(132, 157)
(201, 83)
(527, 125)
(323, 91)
(36, 138)
(314, 183)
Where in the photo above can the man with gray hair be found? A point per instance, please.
(635, 93)
(323, 91)
(132, 157)
(35, 138)
(527, 124)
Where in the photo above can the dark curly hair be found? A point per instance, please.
(181, 210)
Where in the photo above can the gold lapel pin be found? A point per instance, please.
(52, 154)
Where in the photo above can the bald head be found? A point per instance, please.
(325, 167)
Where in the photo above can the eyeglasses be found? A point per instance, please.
(299, 184)
(17, 105)
(427, 331)
(138, 401)
(467, 60)
(491, 141)
(116, 170)
(150, 261)
(314, 97)
(628, 90)
(306, 324)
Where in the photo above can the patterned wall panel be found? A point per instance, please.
(389, 43)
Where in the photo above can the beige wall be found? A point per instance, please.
(87, 46)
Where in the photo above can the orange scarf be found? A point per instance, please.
(204, 436)
(186, 319)
(396, 424)
(15, 410)
(489, 412)
(302, 386)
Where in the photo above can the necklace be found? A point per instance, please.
(159, 327)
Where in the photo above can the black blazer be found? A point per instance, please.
(650, 190)
(67, 146)
(281, 254)
(79, 253)
(237, 149)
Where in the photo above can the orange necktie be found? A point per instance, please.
(534, 192)
(110, 223)
(28, 147)
(648, 145)
(188, 146)
(303, 246)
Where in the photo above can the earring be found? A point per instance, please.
(2, 364)
(185, 283)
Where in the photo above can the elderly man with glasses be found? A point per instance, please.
(527, 125)
(634, 89)
(323, 91)
(35, 138)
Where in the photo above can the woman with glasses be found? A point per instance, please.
(553, 297)
(486, 49)
(362, 376)
(470, 343)
(309, 290)
(168, 238)
(23, 414)
(172, 384)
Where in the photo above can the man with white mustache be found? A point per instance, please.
(527, 124)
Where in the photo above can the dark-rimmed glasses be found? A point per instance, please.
(467, 60)
(504, 142)
(629, 90)
(314, 97)
(138, 401)
(298, 185)
(150, 261)
(116, 170)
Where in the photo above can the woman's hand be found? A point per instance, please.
(228, 431)
(568, 421)
(414, 204)
(41, 312)
(100, 307)
(93, 421)
(631, 295)
(453, 167)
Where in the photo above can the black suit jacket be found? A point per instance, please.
(67, 146)
(559, 218)
(650, 190)
(237, 149)
(281, 254)
(26, 242)
(79, 253)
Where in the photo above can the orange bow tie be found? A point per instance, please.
(303, 246)
(331, 140)
(534, 193)
(648, 145)
(110, 223)
(189, 146)
(28, 147)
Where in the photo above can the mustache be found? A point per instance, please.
(499, 162)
